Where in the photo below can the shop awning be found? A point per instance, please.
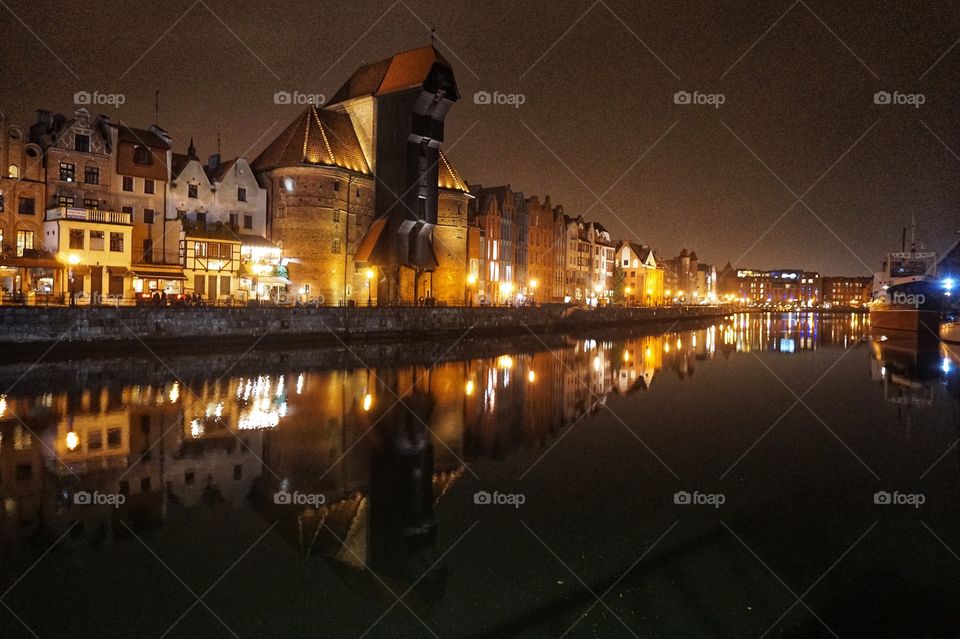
(31, 262)
(152, 274)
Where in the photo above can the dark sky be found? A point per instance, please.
(798, 119)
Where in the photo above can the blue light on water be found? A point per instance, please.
(948, 283)
(946, 365)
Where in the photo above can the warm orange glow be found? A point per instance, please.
(73, 440)
(469, 389)
(367, 401)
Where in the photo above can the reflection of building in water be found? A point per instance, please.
(339, 433)
(788, 332)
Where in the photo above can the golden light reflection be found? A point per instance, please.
(531, 377)
(73, 440)
(505, 362)
(367, 402)
(469, 388)
(174, 392)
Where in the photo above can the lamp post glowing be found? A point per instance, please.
(467, 295)
(73, 259)
(368, 274)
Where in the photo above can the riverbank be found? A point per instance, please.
(25, 329)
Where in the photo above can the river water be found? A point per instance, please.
(757, 475)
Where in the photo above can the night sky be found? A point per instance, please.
(599, 119)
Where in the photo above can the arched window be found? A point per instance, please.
(13, 171)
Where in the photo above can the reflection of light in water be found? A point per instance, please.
(215, 410)
(666, 347)
(3, 405)
(626, 356)
(469, 387)
(505, 362)
(280, 386)
(73, 440)
(257, 417)
(787, 345)
(174, 392)
(367, 401)
(596, 363)
(532, 376)
(679, 344)
(946, 365)
(300, 384)
(196, 428)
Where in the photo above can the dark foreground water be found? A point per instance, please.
(779, 476)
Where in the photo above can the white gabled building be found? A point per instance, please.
(223, 215)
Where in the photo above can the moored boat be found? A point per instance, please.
(950, 332)
(906, 294)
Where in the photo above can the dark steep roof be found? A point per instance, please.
(400, 71)
(316, 137)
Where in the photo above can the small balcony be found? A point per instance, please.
(89, 215)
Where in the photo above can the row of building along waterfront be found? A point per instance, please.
(353, 203)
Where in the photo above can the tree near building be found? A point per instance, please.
(619, 284)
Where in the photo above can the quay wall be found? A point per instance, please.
(312, 326)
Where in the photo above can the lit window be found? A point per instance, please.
(24, 242)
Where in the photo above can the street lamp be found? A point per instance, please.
(369, 275)
(534, 283)
(73, 259)
(467, 297)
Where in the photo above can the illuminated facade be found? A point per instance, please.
(643, 281)
(848, 292)
(25, 269)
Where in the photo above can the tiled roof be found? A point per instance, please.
(448, 177)
(400, 71)
(140, 136)
(216, 175)
(178, 162)
(316, 137)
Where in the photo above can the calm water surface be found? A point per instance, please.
(717, 482)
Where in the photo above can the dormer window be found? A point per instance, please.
(81, 143)
(142, 155)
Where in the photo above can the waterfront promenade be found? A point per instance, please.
(210, 327)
